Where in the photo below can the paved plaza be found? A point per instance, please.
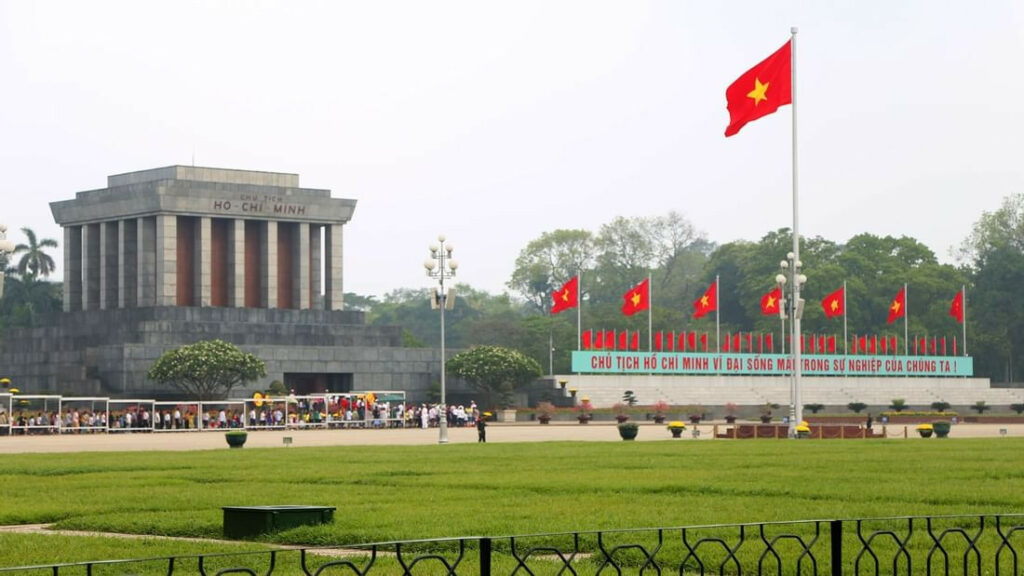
(519, 432)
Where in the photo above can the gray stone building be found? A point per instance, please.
(170, 256)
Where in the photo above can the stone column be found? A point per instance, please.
(333, 289)
(166, 262)
(203, 259)
(146, 254)
(91, 266)
(72, 268)
(268, 260)
(315, 263)
(109, 265)
(236, 264)
(127, 263)
(300, 260)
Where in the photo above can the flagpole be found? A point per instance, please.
(906, 343)
(963, 312)
(579, 316)
(650, 313)
(844, 317)
(718, 326)
(797, 409)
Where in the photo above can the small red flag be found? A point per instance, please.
(864, 344)
(587, 335)
(770, 302)
(637, 298)
(692, 341)
(933, 345)
(623, 339)
(821, 344)
(954, 345)
(833, 304)
(943, 345)
(609, 339)
(810, 344)
(708, 302)
(885, 344)
(832, 344)
(726, 343)
(898, 307)
(760, 90)
(768, 343)
(704, 341)
(853, 349)
(736, 344)
(566, 297)
(956, 309)
(874, 344)
(657, 340)
(634, 343)
(750, 346)
(892, 345)
(682, 342)
(598, 341)
(669, 340)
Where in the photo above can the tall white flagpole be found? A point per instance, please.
(797, 411)
(963, 311)
(906, 340)
(718, 326)
(650, 313)
(579, 315)
(844, 317)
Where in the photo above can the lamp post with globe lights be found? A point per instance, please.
(795, 305)
(442, 266)
(6, 247)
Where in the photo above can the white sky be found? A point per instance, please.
(494, 122)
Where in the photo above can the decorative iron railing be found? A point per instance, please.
(984, 544)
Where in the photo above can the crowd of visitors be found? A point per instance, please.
(341, 411)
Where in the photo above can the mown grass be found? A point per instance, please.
(390, 493)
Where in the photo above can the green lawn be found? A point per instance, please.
(389, 493)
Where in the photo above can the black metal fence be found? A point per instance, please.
(967, 545)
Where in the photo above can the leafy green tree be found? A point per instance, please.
(548, 262)
(26, 299)
(494, 370)
(34, 260)
(206, 370)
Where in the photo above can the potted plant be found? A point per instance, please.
(621, 411)
(941, 428)
(925, 430)
(583, 411)
(730, 413)
(766, 412)
(628, 430)
(545, 410)
(660, 409)
(694, 412)
(236, 438)
(803, 430)
(676, 427)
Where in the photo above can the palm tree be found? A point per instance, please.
(34, 262)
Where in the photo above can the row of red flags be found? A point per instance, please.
(638, 298)
(762, 343)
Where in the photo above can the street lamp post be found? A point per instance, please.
(6, 247)
(792, 265)
(441, 266)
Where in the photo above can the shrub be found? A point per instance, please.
(940, 406)
(1018, 408)
(814, 408)
(898, 404)
(980, 407)
(857, 407)
(629, 398)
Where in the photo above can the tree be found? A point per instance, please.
(494, 370)
(549, 261)
(34, 262)
(206, 370)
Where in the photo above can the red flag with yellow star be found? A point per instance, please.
(760, 90)
(638, 298)
(567, 297)
(898, 307)
(770, 302)
(706, 303)
(956, 308)
(833, 304)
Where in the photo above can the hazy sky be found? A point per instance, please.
(493, 122)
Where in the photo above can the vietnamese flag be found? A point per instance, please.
(956, 309)
(770, 302)
(834, 303)
(567, 297)
(637, 298)
(708, 302)
(898, 308)
(760, 90)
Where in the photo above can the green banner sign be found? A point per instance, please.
(590, 362)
